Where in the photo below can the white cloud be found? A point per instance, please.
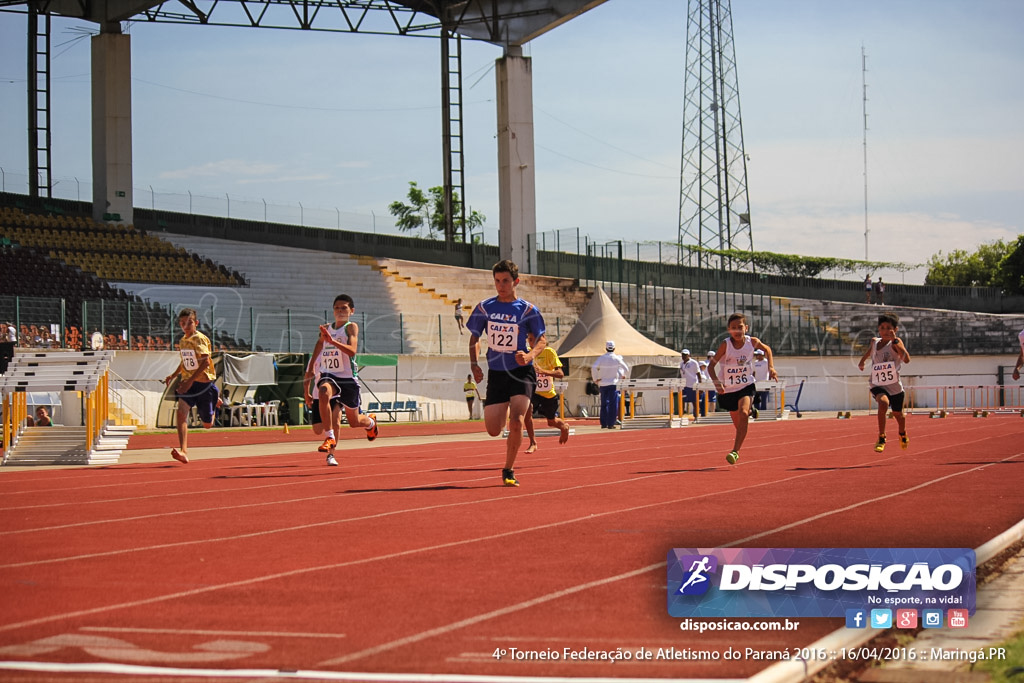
(225, 168)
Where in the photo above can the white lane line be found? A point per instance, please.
(302, 674)
(453, 544)
(673, 455)
(332, 496)
(206, 632)
(454, 626)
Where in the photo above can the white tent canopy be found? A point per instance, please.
(601, 322)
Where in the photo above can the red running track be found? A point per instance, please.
(416, 560)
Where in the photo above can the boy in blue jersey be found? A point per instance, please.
(506, 320)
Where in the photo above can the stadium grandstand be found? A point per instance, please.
(264, 288)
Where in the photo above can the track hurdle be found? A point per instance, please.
(978, 400)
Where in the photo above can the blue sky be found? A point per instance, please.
(340, 123)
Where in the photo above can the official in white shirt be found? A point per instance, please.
(690, 371)
(608, 370)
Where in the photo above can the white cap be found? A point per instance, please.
(758, 352)
(686, 351)
(711, 354)
(609, 345)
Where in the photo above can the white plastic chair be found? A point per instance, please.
(271, 417)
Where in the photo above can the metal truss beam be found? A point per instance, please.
(714, 205)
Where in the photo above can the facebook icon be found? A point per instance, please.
(856, 618)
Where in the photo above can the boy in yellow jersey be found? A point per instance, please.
(545, 398)
(196, 387)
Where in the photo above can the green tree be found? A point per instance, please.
(1011, 269)
(980, 268)
(425, 210)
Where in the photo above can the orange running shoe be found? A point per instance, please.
(373, 431)
(328, 445)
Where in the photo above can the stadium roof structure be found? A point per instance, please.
(501, 22)
(506, 23)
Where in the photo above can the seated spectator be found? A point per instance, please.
(8, 340)
(43, 417)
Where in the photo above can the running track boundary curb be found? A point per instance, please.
(796, 670)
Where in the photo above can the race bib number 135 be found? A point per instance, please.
(884, 373)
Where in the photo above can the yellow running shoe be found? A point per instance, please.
(733, 457)
(508, 478)
(904, 441)
(880, 446)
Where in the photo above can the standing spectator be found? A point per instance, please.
(760, 377)
(458, 315)
(472, 393)
(712, 396)
(880, 291)
(689, 370)
(608, 370)
(867, 288)
(1020, 357)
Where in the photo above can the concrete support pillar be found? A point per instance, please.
(517, 201)
(112, 127)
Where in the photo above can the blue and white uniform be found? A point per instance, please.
(505, 326)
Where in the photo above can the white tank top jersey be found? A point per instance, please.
(1020, 338)
(736, 369)
(332, 360)
(885, 367)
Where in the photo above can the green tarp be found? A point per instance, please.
(366, 360)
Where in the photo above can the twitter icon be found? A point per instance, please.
(881, 618)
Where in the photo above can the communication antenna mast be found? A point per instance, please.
(714, 207)
(864, 83)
